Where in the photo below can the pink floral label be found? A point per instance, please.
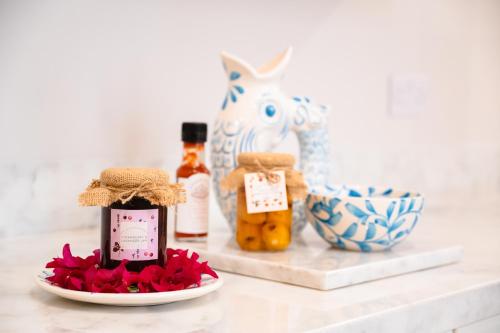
(134, 234)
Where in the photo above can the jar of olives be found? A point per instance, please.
(266, 186)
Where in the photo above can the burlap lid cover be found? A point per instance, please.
(266, 163)
(122, 184)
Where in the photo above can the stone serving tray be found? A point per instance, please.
(311, 262)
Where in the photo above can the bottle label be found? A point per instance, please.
(134, 234)
(265, 194)
(192, 216)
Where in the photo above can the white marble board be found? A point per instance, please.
(310, 262)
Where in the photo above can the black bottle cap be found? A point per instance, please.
(194, 132)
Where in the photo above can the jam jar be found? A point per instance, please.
(136, 231)
(134, 209)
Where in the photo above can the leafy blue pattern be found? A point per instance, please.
(363, 219)
(234, 89)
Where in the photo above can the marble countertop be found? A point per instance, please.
(433, 300)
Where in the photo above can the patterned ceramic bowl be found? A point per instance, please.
(363, 218)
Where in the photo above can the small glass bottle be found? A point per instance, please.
(191, 219)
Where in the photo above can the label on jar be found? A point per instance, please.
(192, 216)
(265, 193)
(134, 234)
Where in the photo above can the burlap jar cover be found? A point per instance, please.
(122, 184)
(266, 163)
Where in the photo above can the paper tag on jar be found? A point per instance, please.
(263, 195)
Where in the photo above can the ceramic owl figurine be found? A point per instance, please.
(256, 115)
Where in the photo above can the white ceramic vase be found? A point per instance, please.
(256, 115)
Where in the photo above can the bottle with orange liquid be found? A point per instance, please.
(191, 219)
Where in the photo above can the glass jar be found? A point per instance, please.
(134, 205)
(263, 231)
(136, 231)
(270, 183)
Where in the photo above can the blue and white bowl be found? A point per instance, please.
(362, 218)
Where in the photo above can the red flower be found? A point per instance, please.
(68, 261)
(116, 280)
(186, 270)
(180, 272)
(150, 277)
(68, 278)
(69, 271)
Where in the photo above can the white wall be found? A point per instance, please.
(89, 84)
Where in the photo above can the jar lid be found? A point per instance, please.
(266, 159)
(119, 177)
(122, 184)
(267, 163)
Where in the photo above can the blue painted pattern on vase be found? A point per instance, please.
(233, 90)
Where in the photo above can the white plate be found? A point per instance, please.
(208, 284)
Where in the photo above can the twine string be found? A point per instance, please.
(125, 194)
(270, 173)
(295, 184)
